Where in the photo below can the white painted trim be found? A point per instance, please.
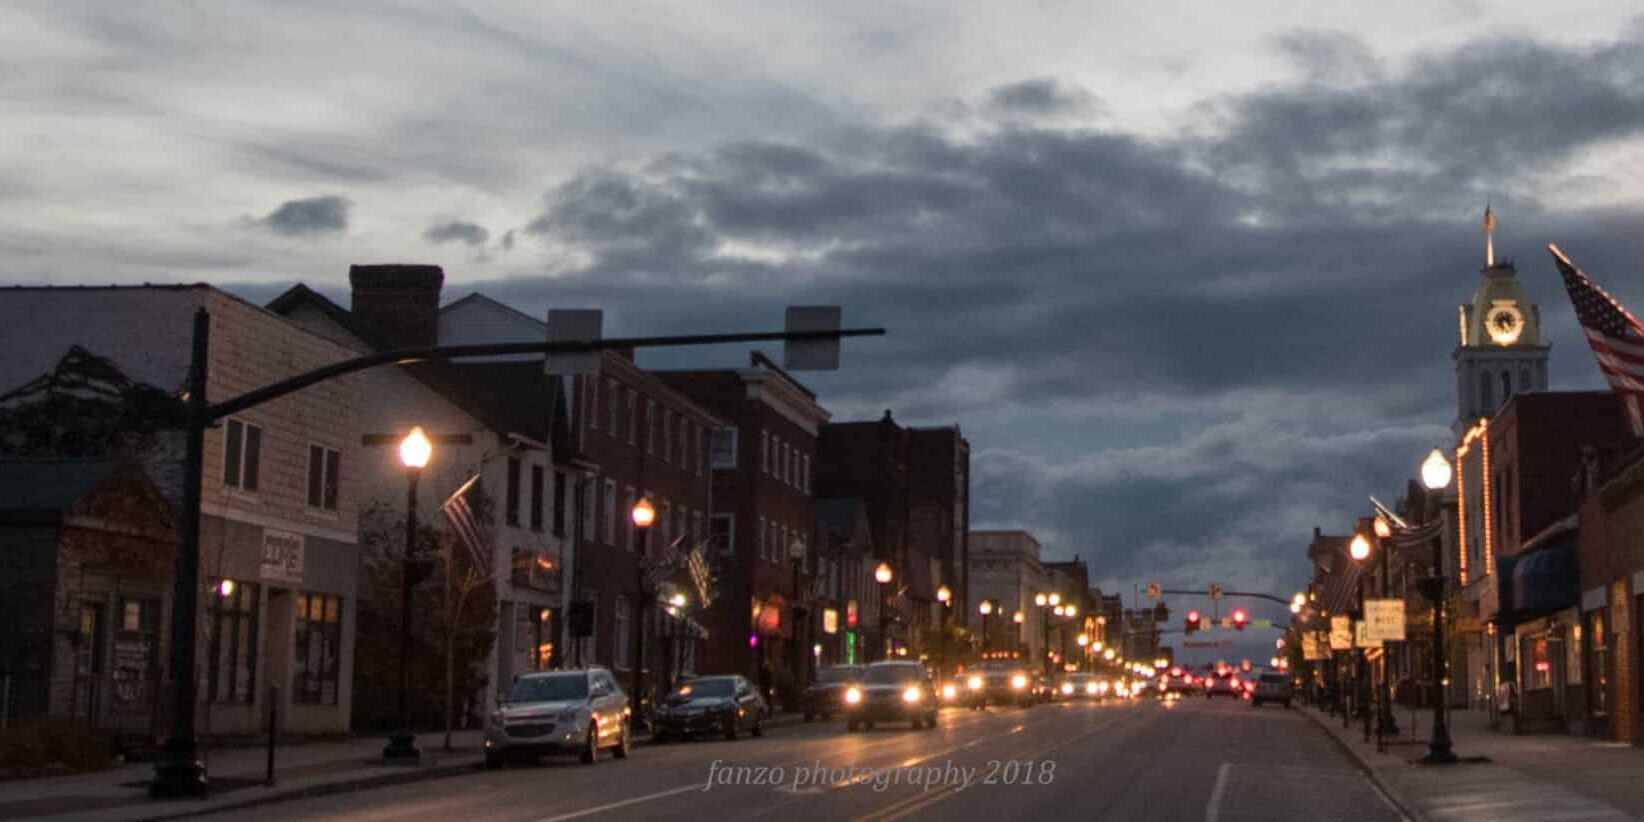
(1593, 599)
(307, 529)
(1638, 583)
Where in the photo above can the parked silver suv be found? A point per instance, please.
(576, 712)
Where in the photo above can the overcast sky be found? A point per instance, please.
(1186, 275)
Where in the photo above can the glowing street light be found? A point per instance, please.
(1435, 471)
(882, 574)
(1359, 548)
(944, 595)
(416, 448)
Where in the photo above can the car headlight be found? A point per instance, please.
(949, 691)
(974, 683)
(913, 694)
(1067, 687)
(1018, 682)
(1090, 688)
(853, 696)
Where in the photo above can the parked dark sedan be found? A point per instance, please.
(826, 696)
(711, 704)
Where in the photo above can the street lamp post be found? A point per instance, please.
(985, 608)
(944, 595)
(1360, 551)
(415, 451)
(1018, 618)
(1435, 475)
(883, 575)
(1386, 725)
(796, 555)
(643, 514)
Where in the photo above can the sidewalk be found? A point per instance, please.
(1529, 777)
(237, 774)
(304, 769)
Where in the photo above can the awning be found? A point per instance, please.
(1540, 582)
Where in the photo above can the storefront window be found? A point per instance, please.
(233, 641)
(1572, 666)
(1539, 668)
(317, 649)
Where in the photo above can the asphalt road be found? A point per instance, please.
(1194, 759)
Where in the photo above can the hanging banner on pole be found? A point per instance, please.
(1341, 633)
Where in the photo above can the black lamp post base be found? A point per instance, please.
(1440, 756)
(401, 749)
(180, 775)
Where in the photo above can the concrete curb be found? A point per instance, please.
(1400, 800)
(346, 786)
(321, 789)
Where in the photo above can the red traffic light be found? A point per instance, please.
(1240, 618)
(1192, 616)
(1192, 622)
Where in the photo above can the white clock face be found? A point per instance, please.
(1504, 323)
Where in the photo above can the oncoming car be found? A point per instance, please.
(1081, 686)
(892, 692)
(576, 712)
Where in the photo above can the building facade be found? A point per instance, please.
(1005, 569)
(280, 497)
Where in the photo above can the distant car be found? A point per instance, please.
(892, 692)
(577, 712)
(826, 696)
(999, 683)
(1222, 685)
(725, 705)
(1081, 686)
(1044, 689)
(1272, 687)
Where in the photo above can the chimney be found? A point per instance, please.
(400, 301)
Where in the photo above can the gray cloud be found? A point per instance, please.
(315, 215)
(470, 234)
(1042, 97)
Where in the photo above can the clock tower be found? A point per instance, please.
(1500, 351)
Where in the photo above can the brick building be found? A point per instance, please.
(280, 496)
(1610, 518)
(764, 520)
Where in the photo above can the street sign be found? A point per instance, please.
(812, 355)
(1361, 636)
(1311, 650)
(1341, 633)
(1385, 618)
(1215, 590)
(1155, 590)
(573, 325)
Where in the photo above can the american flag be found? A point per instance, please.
(1615, 336)
(460, 513)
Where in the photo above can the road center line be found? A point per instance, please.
(623, 804)
(1213, 810)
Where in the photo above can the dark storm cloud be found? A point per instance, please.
(314, 215)
(1278, 288)
(470, 234)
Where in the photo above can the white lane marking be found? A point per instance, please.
(623, 804)
(1213, 810)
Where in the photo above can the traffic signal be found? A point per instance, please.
(1239, 619)
(1192, 622)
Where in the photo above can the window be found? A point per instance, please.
(775, 544)
(684, 443)
(559, 503)
(628, 521)
(537, 476)
(590, 500)
(611, 408)
(781, 551)
(682, 525)
(317, 649)
(1484, 386)
(619, 634)
(696, 527)
(650, 426)
(724, 449)
(633, 413)
(1506, 385)
(324, 467)
(242, 454)
(1572, 663)
(663, 520)
(759, 537)
(233, 651)
(591, 383)
(702, 451)
(1523, 380)
(511, 501)
(609, 536)
(1598, 680)
(764, 451)
(667, 436)
(722, 533)
(805, 474)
